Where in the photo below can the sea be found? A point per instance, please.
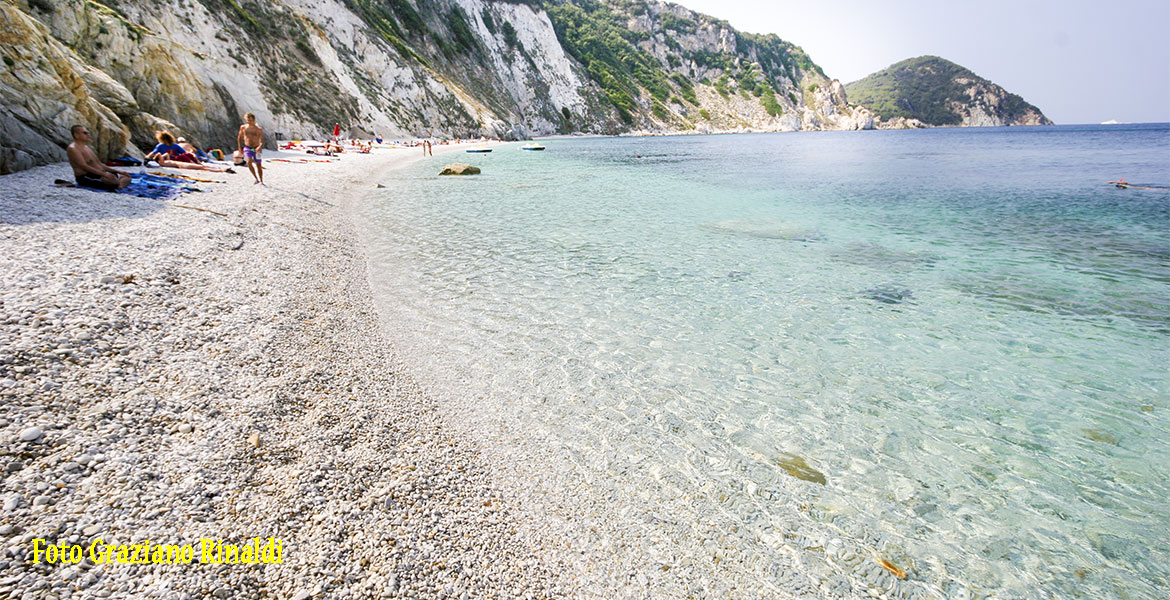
(900, 364)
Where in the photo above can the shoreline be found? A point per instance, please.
(186, 389)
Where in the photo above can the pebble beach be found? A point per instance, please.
(211, 368)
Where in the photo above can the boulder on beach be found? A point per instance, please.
(459, 169)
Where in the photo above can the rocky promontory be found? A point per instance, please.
(932, 91)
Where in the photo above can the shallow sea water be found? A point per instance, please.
(946, 349)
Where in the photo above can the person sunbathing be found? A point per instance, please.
(89, 171)
(179, 164)
(168, 149)
(193, 149)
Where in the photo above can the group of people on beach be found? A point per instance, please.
(91, 173)
(179, 153)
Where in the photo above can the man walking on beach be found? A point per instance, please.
(89, 171)
(251, 142)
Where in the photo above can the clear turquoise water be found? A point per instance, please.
(964, 335)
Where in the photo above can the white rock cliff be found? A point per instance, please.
(405, 68)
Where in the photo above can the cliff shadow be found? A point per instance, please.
(31, 197)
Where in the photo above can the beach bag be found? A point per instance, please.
(217, 153)
(125, 161)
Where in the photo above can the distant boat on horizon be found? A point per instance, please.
(1111, 122)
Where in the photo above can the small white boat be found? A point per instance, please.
(532, 146)
(479, 150)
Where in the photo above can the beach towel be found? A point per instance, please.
(125, 161)
(144, 185)
(184, 177)
(161, 187)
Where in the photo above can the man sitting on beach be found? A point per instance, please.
(251, 141)
(89, 171)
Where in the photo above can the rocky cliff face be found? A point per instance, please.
(512, 68)
(44, 89)
(929, 90)
(700, 74)
(985, 104)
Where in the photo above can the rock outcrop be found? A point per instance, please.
(400, 68)
(713, 78)
(901, 123)
(459, 169)
(44, 90)
(936, 92)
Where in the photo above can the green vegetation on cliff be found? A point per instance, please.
(599, 35)
(925, 88)
(598, 39)
(776, 56)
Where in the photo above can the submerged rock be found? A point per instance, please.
(459, 169)
(767, 229)
(1114, 547)
(798, 468)
(1101, 436)
(889, 294)
(874, 255)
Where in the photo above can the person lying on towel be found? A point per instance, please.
(168, 149)
(178, 164)
(89, 171)
(193, 149)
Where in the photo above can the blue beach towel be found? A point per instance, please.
(145, 185)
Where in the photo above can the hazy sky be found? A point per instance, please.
(1079, 61)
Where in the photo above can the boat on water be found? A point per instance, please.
(532, 146)
(479, 150)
